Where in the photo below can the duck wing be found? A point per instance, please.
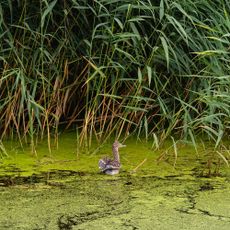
(106, 164)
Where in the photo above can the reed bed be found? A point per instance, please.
(105, 67)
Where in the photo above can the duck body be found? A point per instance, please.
(111, 166)
(108, 166)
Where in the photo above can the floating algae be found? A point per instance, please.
(61, 191)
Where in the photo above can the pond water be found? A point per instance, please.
(65, 190)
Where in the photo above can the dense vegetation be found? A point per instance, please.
(115, 67)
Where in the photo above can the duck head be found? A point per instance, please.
(117, 145)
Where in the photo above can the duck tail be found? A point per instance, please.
(102, 164)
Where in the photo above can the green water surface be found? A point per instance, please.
(156, 189)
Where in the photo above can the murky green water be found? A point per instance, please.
(66, 191)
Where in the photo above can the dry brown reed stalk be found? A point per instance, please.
(138, 166)
(114, 67)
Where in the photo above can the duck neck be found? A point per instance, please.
(116, 154)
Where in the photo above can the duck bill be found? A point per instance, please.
(121, 145)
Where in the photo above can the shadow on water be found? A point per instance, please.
(43, 177)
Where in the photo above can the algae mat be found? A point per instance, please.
(124, 202)
(61, 192)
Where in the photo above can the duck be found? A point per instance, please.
(111, 166)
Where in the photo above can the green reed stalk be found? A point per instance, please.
(115, 67)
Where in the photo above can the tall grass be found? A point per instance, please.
(108, 67)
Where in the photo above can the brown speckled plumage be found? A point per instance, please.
(111, 166)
